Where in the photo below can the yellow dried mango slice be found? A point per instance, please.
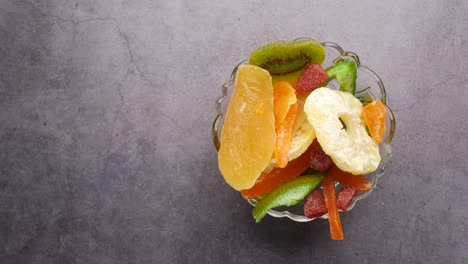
(248, 134)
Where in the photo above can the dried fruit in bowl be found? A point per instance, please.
(279, 105)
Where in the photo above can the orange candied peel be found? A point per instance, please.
(268, 181)
(357, 181)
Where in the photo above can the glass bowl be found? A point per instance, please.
(369, 87)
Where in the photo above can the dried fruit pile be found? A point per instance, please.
(285, 133)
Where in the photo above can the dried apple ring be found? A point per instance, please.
(350, 147)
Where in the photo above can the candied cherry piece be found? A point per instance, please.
(318, 159)
(312, 78)
(345, 196)
(314, 204)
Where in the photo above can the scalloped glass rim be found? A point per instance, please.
(373, 88)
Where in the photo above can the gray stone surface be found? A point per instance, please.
(105, 115)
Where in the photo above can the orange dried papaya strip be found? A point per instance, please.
(283, 137)
(284, 97)
(268, 181)
(357, 181)
(334, 221)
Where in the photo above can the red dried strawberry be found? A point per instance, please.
(345, 196)
(314, 205)
(318, 159)
(312, 78)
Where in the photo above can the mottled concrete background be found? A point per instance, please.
(105, 115)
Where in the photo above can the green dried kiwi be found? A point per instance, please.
(291, 77)
(285, 57)
(287, 194)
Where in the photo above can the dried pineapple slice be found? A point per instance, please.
(350, 148)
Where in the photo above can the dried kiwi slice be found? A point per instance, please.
(287, 56)
(291, 77)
